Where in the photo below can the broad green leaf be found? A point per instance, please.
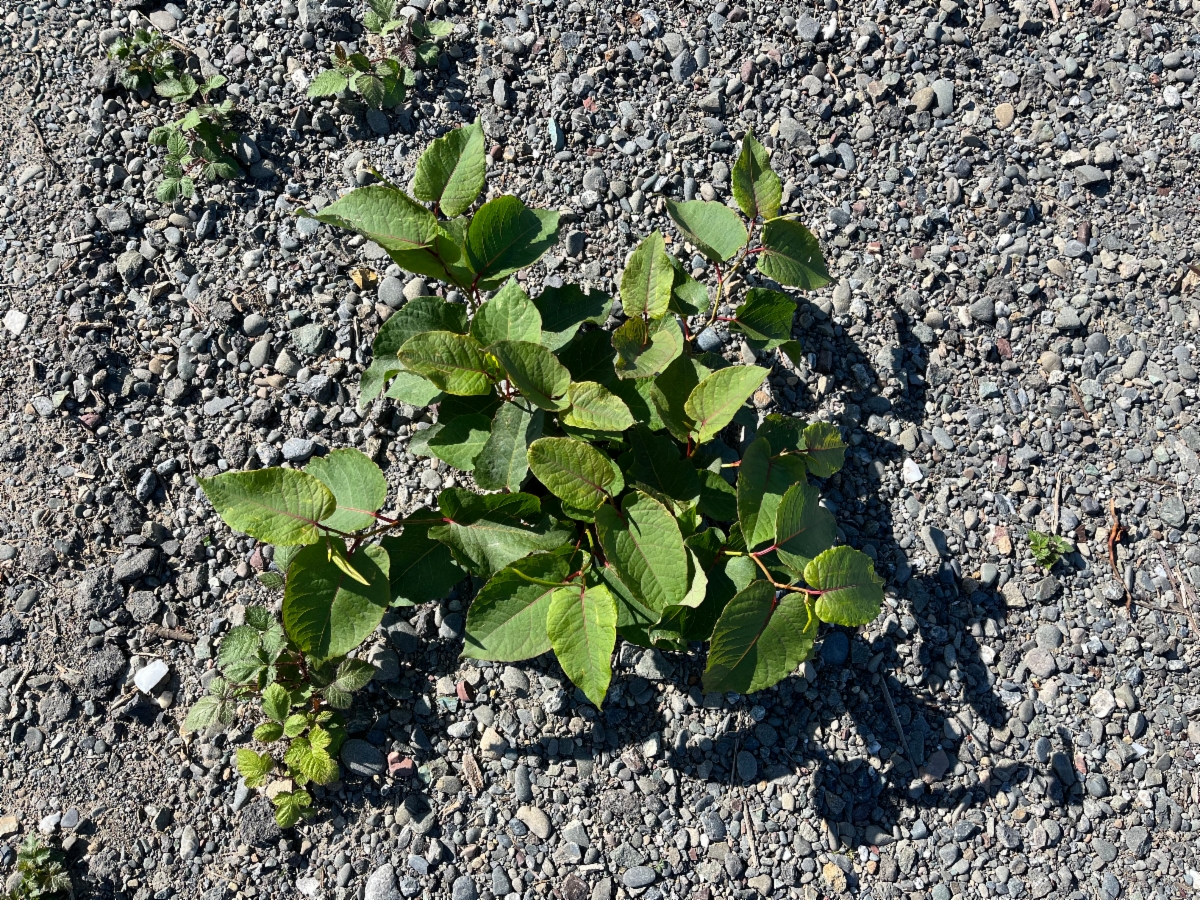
(411, 388)
(644, 545)
(385, 214)
(724, 577)
(785, 433)
(240, 643)
(454, 362)
(507, 618)
(475, 405)
(589, 357)
(718, 498)
(647, 280)
(793, 351)
(354, 674)
(758, 641)
(851, 592)
(656, 463)
(715, 229)
(208, 712)
(268, 732)
(596, 408)
(645, 350)
(765, 318)
(488, 544)
(671, 391)
(638, 394)
(824, 450)
(792, 256)
(259, 617)
(762, 482)
(371, 88)
(504, 461)
(803, 528)
(564, 309)
(506, 236)
(715, 400)
(357, 485)
(535, 372)
(420, 569)
(572, 470)
(254, 767)
(325, 611)
(508, 316)
(452, 170)
(582, 627)
(277, 506)
(444, 259)
(634, 618)
(291, 806)
(415, 317)
(756, 187)
(461, 440)
(328, 83)
(276, 702)
(688, 296)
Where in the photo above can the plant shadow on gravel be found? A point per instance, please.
(861, 803)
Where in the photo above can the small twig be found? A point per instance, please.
(887, 696)
(1115, 534)
(170, 634)
(747, 821)
(1057, 496)
(1175, 585)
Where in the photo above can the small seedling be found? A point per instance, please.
(1047, 549)
(298, 692)
(207, 153)
(42, 875)
(181, 88)
(398, 44)
(147, 60)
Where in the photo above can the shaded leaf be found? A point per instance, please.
(535, 372)
(420, 568)
(655, 462)
(765, 318)
(461, 440)
(564, 309)
(762, 482)
(824, 450)
(589, 357)
(645, 350)
(757, 642)
(803, 528)
(688, 296)
(503, 462)
(508, 316)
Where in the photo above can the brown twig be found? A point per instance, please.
(1176, 586)
(1115, 534)
(887, 696)
(1057, 497)
(170, 634)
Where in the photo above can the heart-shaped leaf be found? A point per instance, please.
(507, 618)
(326, 612)
(357, 485)
(504, 460)
(564, 309)
(824, 450)
(791, 255)
(454, 362)
(420, 569)
(596, 408)
(759, 641)
(762, 482)
(277, 506)
(452, 170)
(803, 528)
(851, 592)
(715, 400)
(756, 187)
(643, 543)
(505, 236)
(508, 316)
(644, 350)
(535, 372)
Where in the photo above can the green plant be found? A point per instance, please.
(298, 689)
(1047, 549)
(632, 522)
(399, 43)
(42, 875)
(146, 59)
(207, 153)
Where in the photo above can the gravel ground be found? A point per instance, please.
(1006, 195)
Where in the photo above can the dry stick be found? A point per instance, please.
(1115, 534)
(170, 634)
(1057, 497)
(887, 695)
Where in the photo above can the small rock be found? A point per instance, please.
(150, 676)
